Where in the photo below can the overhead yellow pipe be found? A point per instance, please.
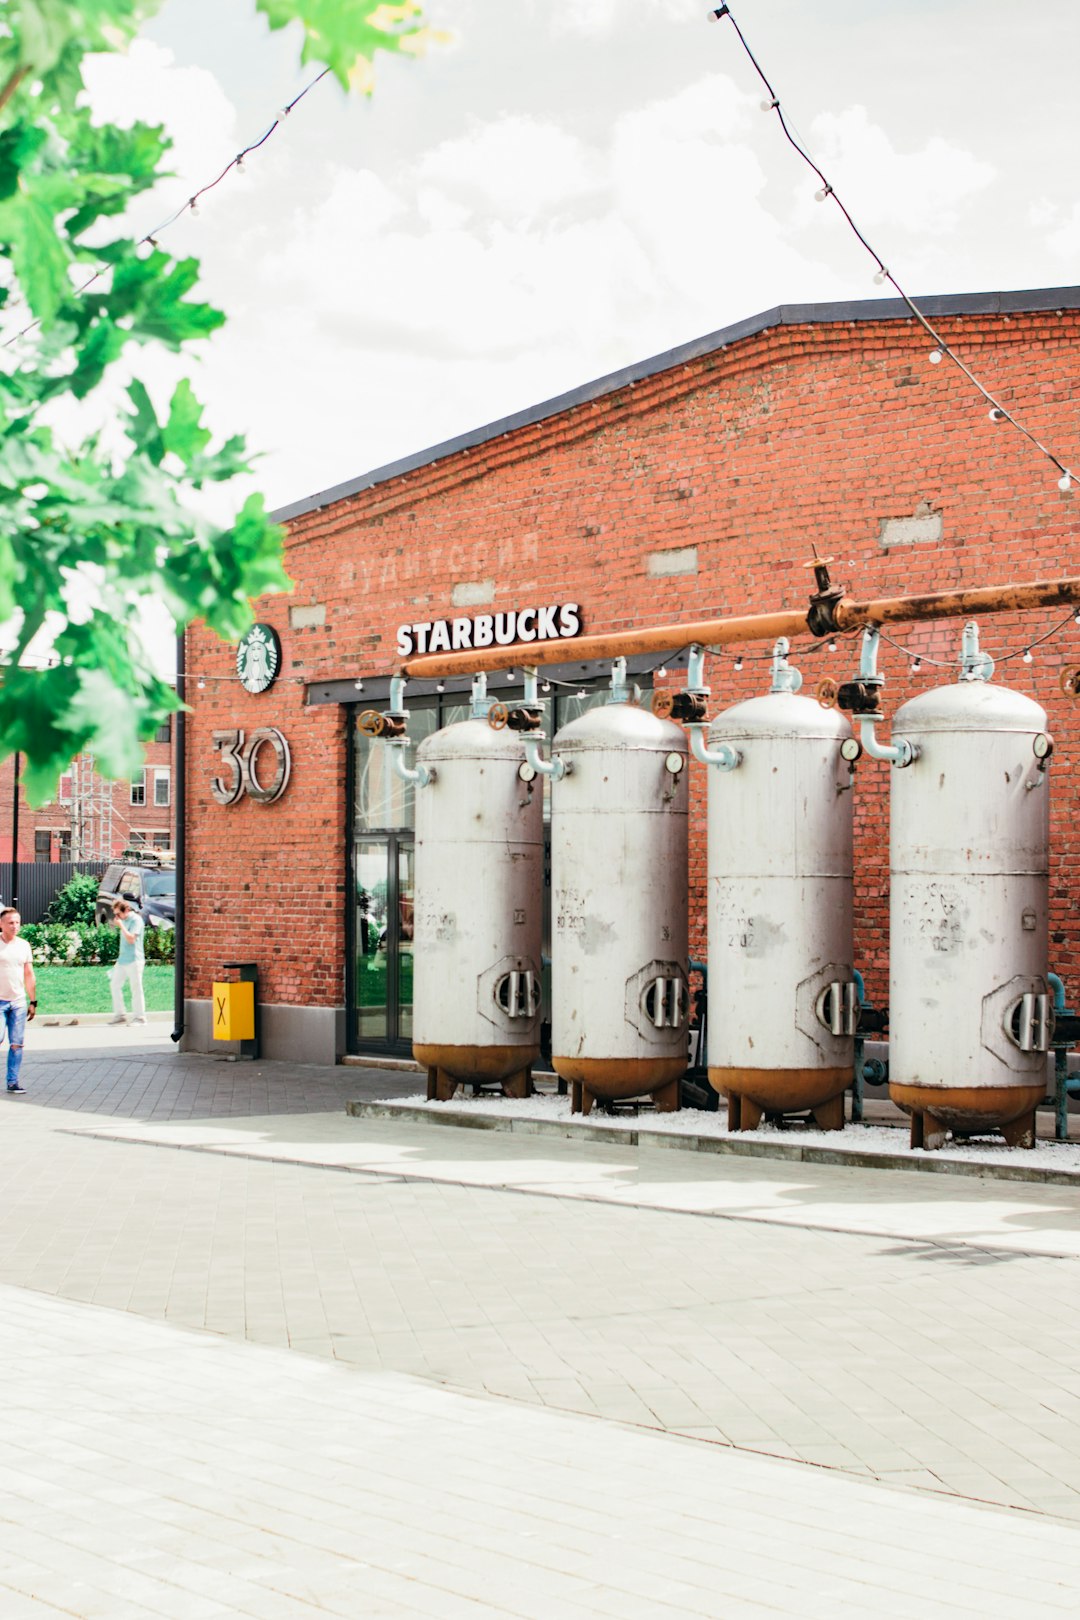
(846, 615)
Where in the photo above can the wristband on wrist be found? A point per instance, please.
(31, 1003)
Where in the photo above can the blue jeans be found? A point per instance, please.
(14, 1018)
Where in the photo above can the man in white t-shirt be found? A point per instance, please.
(18, 992)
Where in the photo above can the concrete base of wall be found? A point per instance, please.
(290, 1034)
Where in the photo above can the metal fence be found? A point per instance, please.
(38, 881)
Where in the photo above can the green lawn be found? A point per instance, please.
(86, 989)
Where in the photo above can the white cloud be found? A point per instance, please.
(520, 237)
(1060, 228)
(145, 85)
(510, 263)
(921, 190)
(488, 231)
(602, 16)
(513, 168)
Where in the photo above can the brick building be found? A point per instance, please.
(692, 485)
(93, 818)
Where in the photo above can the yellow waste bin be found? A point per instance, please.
(234, 1011)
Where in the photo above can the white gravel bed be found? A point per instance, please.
(553, 1109)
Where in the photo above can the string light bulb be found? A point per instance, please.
(439, 687)
(1076, 617)
(936, 356)
(770, 105)
(662, 670)
(201, 683)
(359, 685)
(996, 414)
(832, 646)
(546, 687)
(1065, 482)
(1028, 658)
(738, 661)
(581, 692)
(881, 274)
(826, 191)
(193, 206)
(239, 165)
(916, 665)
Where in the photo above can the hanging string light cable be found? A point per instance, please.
(236, 163)
(1022, 651)
(942, 349)
(191, 206)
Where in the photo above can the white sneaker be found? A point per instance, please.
(117, 1018)
(138, 1020)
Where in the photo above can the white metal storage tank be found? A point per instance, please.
(782, 997)
(478, 916)
(620, 999)
(970, 1014)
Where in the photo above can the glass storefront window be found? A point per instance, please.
(383, 800)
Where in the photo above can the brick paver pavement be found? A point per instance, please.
(148, 1472)
(951, 1368)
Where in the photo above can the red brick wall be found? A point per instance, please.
(265, 883)
(56, 816)
(794, 438)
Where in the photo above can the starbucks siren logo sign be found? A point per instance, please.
(258, 658)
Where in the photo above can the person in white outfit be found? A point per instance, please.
(129, 965)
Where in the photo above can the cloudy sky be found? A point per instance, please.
(577, 184)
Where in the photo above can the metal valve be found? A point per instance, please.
(525, 718)
(821, 618)
(858, 697)
(690, 707)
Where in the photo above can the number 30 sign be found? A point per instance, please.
(241, 759)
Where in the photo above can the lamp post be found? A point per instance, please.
(14, 900)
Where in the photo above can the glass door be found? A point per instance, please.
(403, 949)
(370, 888)
(383, 935)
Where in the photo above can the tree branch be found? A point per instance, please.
(12, 85)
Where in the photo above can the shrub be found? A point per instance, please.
(96, 944)
(87, 945)
(81, 945)
(74, 903)
(159, 944)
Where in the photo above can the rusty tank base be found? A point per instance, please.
(481, 1067)
(938, 1112)
(604, 1080)
(752, 1094)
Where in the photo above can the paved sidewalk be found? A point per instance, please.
(795, 1383)
(953, 1366)
(148, 1472)
(136, 1072)
(654, 1173)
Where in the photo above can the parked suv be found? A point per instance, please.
(150, 889)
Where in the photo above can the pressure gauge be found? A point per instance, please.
(1042, 745)
(674, 763)
(850, 749)
(526, 772)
